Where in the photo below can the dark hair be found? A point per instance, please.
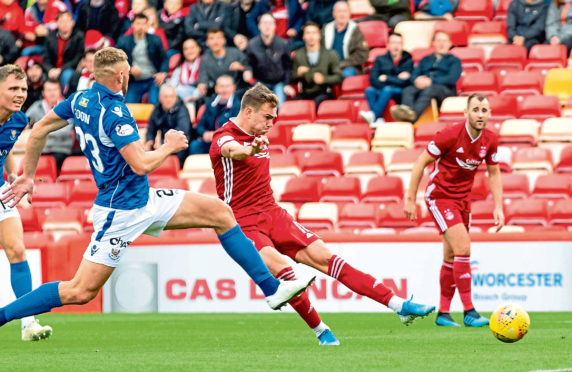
(140, 16)
(310, 24)
(392, 33)
(64, 12)
(51, 81)
(266, 14)
(257, 96)
(89, 51)
(214, 30)
(183, 43)
(15, 70)
(479, 97)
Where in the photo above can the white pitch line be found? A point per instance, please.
(553, 370)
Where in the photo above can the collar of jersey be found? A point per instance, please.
(107, 91)
(469, 133)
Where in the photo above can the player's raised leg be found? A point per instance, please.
(198, 210)
(319, 256)
(457, 237)
(447, 285)
(12, 240)
(280, 268)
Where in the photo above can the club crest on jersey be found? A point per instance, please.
(483, 151)
(124, 130)
(117, 111)
(83, 102)
(449, 215)
(13, 134)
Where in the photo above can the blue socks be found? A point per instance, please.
(243, 252)
(41, 300)
(21, 278)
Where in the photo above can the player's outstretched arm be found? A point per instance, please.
(496, 190)
(25, 183)
(410, 207)
(236, 151)
(143, 162)
(11, 167)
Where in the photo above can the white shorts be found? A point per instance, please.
(5, 210)
(115, 229)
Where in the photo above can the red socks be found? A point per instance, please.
(359, 282)
(462, 275)
(301, 303)
(447, 287)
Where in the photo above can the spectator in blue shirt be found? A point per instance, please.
(241, 23)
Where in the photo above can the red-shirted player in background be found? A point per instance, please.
(458, 151)
(241, 160)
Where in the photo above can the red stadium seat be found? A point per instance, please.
(375, 33)
(501, 10)
(484, 82)
(553, 186)
(533, 158)
(51, 195)
(359, 216)
(383, 189)
(457, 30)
(301, 190)
(208, 187)
(279, 138)
(341, 189)
(543, 57)
(351, 132)
(297, 112)
(354, 87)
(335, 112)
(46, 170)
(565, 163)
(68, 220)
(503, 107)
(561, 212)
(520, 83)
(316, 216)
(482, 213)
(366, 162)
(527, 212)
(391, 215)
(321, 163)
(373, 54)
(29, 218)
(472, 10)
(284, 165)
(539, 107)
(170, 183)
(75, 168)
(515, 185)
(506, 57)
(489, 28)
(425, 132)
(83, 194)
(418, 54)
(404, 159)
(472, 58)
(169, 169)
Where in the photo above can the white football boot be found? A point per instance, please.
(35, 332)
(287, 290)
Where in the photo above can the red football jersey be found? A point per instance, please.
(242, 184)
(458, 157)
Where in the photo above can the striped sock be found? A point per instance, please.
(301, 303)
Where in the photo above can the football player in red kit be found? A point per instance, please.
(240, 158)
(457, 152)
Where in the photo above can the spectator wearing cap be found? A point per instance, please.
(218, 110)
(8, 50)
(344, 36)
(242, 21)
(63, 49)
(59, 143)
(171, 19)
(202, 16)
(185, 78)
(169, 113)
(100, 15)
(149, 63)
(84, 78)
(35, 74)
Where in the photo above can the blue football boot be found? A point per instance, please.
(474, 319)
(445, 320)
(410, 310)
(327, 338)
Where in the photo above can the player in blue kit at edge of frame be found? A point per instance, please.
(125, 206)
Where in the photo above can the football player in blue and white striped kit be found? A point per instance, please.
(125, 206)
(13, 93)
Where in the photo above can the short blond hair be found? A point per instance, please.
(105, 60)
(257, 96)
(10, 69)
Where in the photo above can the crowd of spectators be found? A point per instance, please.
(208, 52)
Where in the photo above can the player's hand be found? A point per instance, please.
(16, 191)
(176, 140)
(259, 144)
(498, 214)
(410, 209)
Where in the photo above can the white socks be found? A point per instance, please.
(27, 320)
(320, 328)
(396, 303)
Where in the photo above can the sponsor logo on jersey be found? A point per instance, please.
(94, 248)
(117, 111)
(224, 139)
(124, 130)
(120, 242)
(468, 164)
(433, 149)
(13, 134)
(483, 151)
(83, 102)
(460, 150)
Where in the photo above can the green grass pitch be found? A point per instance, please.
(267, 342)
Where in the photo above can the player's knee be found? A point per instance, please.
(16, 252)
(226, 218)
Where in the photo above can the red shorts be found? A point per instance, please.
(449, 212)
(276, 228)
